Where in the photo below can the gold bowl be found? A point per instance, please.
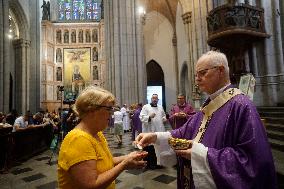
(179, 144)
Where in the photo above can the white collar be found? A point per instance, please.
(214, 95)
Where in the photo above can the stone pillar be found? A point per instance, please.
(4, 56)
(22, 76)
(269, 82)
(2, 32)
(140, 58)
(187, 22)
(174, 40)
(102, 57)
(124, 51)
(273, 45)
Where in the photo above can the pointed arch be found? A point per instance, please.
(21, 18)
(155, 77)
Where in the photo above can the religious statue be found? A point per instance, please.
(78, 83)
(81, 36)
(88, 36)
(45, 10)
(59, 74)
(58, 55)
(76, 74)
(95, 73)
(73, 37)
(95, 54)
(58, 36)
(59, 95)
(66, 37)
(48, 9)
(95, 35)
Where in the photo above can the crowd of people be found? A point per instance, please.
(28, 120)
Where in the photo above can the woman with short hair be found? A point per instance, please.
(85, 160)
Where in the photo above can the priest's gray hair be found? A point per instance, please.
(216, 59)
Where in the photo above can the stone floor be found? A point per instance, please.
(37, 173)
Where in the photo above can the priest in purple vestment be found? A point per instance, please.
(137, 124)
(180, 112)
(229, 147)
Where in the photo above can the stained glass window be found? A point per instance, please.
(70, 10)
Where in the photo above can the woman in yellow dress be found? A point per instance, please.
(85, 160)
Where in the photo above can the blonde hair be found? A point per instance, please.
(90, 99)
(216, 59)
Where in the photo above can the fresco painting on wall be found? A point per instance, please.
(76, 71)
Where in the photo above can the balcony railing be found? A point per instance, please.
(235, 22)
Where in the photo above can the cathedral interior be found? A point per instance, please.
(51, 50)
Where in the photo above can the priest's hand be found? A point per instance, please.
(145, 139)
(152, 115)
(184, 153)
(182, 114)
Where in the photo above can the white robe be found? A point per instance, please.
(126, 120)
(155, 124)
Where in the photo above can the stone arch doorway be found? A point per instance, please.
(18, 74)
(184, 81)
(155, 77)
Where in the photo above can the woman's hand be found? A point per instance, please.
(145, 139)
(134, 160)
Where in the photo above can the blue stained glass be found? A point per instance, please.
(89, 15)
(95, 15)
(75, 5)
(61, 7)
(88, 2)
(67, 7)
(89, 7)
(79, 9)
(76, 15)
(61, 16)
(82, 16)
(95, 6)
(68, 16)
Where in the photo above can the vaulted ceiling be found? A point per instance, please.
(165, 7)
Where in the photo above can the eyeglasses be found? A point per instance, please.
(203, 72)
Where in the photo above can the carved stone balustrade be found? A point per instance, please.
(233, 26)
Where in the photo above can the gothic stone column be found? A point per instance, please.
(4, 56)
(22, 76)
(123, 50)
(174, 41)
(193, 89)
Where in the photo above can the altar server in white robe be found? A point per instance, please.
(126, 119)
(153, 118)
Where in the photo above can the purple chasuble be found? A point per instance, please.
(177, 122)
(137, 124)
(239, 154)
